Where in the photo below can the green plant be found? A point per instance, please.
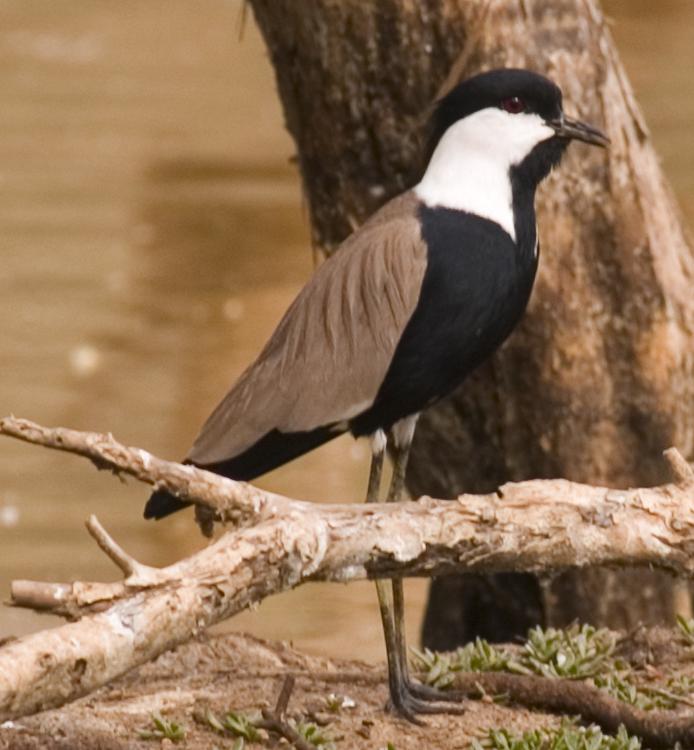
(313, 734)
(567, 737)
(163, 729)
(439, 668)
(238, 724)
(574, 653)
(686, 626)
(647, 697)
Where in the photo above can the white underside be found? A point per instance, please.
(401, 432)
(470, 168)
(378, 442)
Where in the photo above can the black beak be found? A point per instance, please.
(570, 129)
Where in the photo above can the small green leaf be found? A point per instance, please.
(686, 627)
(242, 725)
(574, 653)
(214, 722)
(314, 735)
(568, 737)
(163, 729)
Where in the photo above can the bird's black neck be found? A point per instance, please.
(525, 223)
(525, 177)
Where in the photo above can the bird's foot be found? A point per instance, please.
(428, 693)
(410, 699)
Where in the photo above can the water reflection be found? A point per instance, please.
(153, 234)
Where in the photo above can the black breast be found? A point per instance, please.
(475, 290)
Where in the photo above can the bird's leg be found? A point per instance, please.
(383, 587)
(408, 698)
(405, 696)
(395, 492)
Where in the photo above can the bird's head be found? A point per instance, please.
(514, 117)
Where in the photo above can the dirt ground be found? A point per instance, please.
(243, 673)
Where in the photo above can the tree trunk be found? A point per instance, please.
(597, 380)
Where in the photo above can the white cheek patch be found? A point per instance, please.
(469, 170)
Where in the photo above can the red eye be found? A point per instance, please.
(514, 104)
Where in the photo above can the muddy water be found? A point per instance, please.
(152, 234)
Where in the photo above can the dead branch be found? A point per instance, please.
(275, 720)
(536, 525)
(236, 502)
(657, 729)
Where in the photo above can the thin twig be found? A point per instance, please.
(238, 501)
(135, 572)
(680, 467)
(113, 550)
(285, 695)
(274, 721)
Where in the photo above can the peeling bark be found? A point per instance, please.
(538, 526)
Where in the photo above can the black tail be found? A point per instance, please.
(162, 503)
(273, 450)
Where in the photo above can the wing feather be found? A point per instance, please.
(330, 352)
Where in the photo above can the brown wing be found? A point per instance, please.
(329, 355)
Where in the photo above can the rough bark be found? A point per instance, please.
(538, 526)
(597, 380)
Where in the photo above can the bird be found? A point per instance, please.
(407, 307)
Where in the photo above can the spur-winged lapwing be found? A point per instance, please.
(408, 306)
